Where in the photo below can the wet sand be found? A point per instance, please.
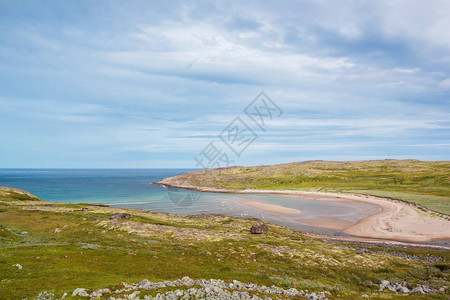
(270, 207)
(335, 225)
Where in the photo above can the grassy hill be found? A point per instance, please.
(426, 183)
(92, 251)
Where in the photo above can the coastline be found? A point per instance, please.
(397, 221)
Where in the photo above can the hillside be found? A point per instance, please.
(426, 183)
(58, 247)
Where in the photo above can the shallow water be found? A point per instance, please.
(132, 189)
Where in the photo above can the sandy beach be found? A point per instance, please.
(397, 220)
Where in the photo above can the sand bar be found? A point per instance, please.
(270, 207)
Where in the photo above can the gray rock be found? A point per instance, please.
(384, 284)
(418, 289)
(18, 266)
(259, 229)
(392, 288)
(45, 296)
(313, 296)
(291, 292)
(427, 289)
(80, 292)
(134, 295)
(117, 216)
(98, 293)
(85, 209)
(95, 295)
(187, 281)
(144, 284)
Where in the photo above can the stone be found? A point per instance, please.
(134, 295)
(403, 289)
(98, 293)
(45, 296)
(117, 216)
(144, 284)
(80, 292)
(259, 229)
(364, 296)
(24, 233)
(418, 290)
(57, 230)
(187, 281)
(95, 295)
(391, 288)
(18, 266)
(384, 284)
(85, 209)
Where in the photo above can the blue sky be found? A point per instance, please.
(140, 84)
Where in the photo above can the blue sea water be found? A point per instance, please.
(132, 188)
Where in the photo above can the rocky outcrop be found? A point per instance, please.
(195, 289)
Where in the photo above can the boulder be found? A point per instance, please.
(117, 216)
(259, 229)
(85, 209)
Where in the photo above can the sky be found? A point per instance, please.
(151, 84)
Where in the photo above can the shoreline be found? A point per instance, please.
(398, 220)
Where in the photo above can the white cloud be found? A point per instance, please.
(445, 84)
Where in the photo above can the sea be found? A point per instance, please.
(133, 188)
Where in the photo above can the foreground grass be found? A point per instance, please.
(92, 251)
(426, 183)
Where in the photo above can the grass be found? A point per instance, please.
(426, 183)
(93, 252)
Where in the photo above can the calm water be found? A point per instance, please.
(132, 189)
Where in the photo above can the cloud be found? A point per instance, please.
(445, 84)
(127, 79)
